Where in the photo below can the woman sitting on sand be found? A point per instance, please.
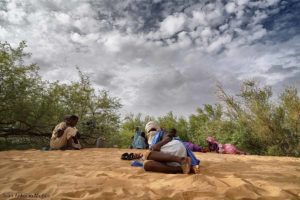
(214, 145)
(139, 140)
(65, 135)
(166, 154)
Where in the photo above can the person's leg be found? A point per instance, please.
(71, 145)
(154, 166)
(185, 162)
(197, 148)
(163, 157)
(75, 140)
(59, 142)
(72, 141)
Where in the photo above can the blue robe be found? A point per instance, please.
(138, 141)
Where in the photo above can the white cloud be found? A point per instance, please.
(63, 18)
(113, 42)
(157, 56)
(230, 7)
(172, 24)
(15, 14)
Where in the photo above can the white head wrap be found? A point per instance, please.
(150, 134)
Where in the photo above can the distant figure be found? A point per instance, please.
(214, 145)
(100, 142)
(65, 135)
(139, 140)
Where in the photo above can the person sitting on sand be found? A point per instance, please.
(65, 135)
(214, 145)
(138, 142)
(166, 154)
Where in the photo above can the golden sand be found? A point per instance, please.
(101, 174)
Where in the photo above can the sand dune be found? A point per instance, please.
(100, 174)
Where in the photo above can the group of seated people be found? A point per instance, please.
(167, 153)
(139, 141)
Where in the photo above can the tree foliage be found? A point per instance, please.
(31, 107)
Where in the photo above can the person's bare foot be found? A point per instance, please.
(195, 169)
(186, 165)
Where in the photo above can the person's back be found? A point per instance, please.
(140, 143)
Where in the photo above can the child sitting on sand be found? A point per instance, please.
(65, 135)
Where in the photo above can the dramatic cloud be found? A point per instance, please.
(158, 55)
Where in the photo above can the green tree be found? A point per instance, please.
(31, 107)
(169, 121)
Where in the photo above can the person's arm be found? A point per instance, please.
(60, 132)
(78, 135)
(165, 140)
(60, 129)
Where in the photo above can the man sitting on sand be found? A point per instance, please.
(65, 135)
(166, 154)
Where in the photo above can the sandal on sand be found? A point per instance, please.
(186, 166)
(135, 156)
(131, 156)
(138, 155)
(124, 156)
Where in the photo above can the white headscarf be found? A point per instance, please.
(150, 134)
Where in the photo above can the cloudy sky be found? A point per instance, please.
(160, 55)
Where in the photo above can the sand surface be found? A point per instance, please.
(100, 174)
